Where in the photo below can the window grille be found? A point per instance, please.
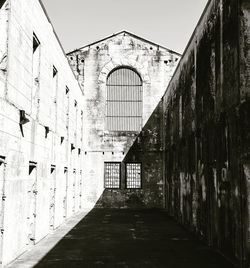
(133, 175)
(112, 172)
(124, 100)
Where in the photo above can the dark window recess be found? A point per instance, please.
(2, 159)
(65, 169)
(54, 71)
(32, 166)
(52, 168)
(133, 175)
(112, 172)
(79, 151)
(36, 43)
(23, 118)
(62, 139)
(67, 90)
(72, 146)
(46, 131)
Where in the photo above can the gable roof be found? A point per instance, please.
(128, 33)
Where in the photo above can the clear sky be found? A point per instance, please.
(169, 23)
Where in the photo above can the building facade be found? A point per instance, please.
(123, 78)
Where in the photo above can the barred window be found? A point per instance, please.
(124, 100)
(133, 175)
(112, 171)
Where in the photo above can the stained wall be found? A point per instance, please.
(92, 64)
(205, 123)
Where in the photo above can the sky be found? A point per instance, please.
(169, 23)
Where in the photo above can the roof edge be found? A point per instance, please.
(58, 40)
(128, 33)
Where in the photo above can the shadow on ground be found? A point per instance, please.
(131, 238)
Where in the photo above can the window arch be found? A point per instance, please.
(124, 100)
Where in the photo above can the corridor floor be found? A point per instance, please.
(130, 238)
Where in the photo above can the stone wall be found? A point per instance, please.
(92, 64)
(147, 150)
(41, 172)
(205, 124)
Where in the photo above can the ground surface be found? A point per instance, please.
(130, 238)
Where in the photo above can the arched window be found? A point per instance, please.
(124, 100)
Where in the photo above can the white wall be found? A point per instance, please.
(19, 90)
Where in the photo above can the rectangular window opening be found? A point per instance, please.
(32, 166)
(36, 43)
(52, 168)
(2, 159)
(54, 71)
(133, 175)
(112, 173)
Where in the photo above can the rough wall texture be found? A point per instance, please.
(40, 161)
(92, 64)
(194, 146)
(205, 131)
(147, 150)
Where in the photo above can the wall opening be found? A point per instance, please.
(112, 175)
(124, 100)
(133, 175)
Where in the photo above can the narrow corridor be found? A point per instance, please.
(131, 238)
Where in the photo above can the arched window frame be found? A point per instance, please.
(132, 120)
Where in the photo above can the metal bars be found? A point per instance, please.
(112, 171)
(133, 175)
(124, 100)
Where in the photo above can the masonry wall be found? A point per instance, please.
(146, 150)
(205, 123)
(92, 64)
(41, 171)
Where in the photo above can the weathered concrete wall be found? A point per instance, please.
(92, 64)
(41, 174)
(205, 124)
(147, 150)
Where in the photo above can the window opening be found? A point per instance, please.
(112, 172)
(36, 42)
(133, 175)
(124, 100)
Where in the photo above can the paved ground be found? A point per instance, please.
(130, 238)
